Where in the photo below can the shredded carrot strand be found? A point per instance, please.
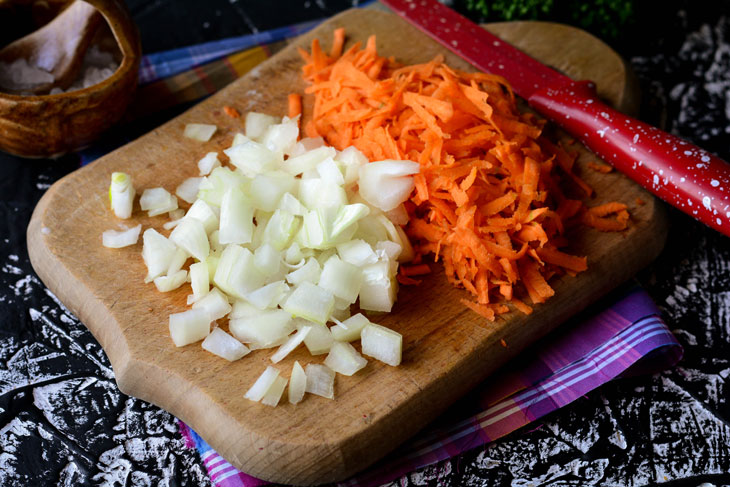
(295, 105)
(338, 43)
(231, 112)
(602, 168)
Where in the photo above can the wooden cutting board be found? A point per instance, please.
(447, 349)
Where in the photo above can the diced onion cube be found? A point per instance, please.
(212, 263)
(199, 131)
(178, 261)
(291, 204)
(346, 217)
(310, 302)
(170, 282)
(357, 252)
(385, 184)
(320, 380)
(379, 288)
(239, 138)
(215, 303)
(157, 252)
(205, 214)
(259, 388)
(264, 330)
(389, 249)
(267, 259)
(294, 257)
(267, 188)
(236, 220)
(157, 201)
(341, 279)
(268, 296)
(189, 327)
(176, 214)
(350, 329)
(190, 235)
(257, 123)
(351, 158)
(188, 189)
(236, 273)
(208, 163)
(252, 158)
(307, 144)
(308, 161)
(118, 239)
(316, 193)
(382, 344)
(297, 384)
(171, 224)
(280, 229)
(319, 339)
(199, 279)
(281, 138)
(243, 309)
(224, 345)
(344, 359)
(213, 187)
(328, 170)
(273, 395)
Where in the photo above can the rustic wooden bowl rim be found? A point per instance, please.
(127, 66)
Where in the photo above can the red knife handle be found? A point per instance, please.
(676, 171)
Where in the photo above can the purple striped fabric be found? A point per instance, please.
(163, 64)
(627, 333)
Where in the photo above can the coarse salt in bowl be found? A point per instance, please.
(67, 120)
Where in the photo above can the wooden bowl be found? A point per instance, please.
(53, 125)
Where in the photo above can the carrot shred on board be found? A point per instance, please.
(231, 112)
(295, 105)
(602, 168)
(491, 200)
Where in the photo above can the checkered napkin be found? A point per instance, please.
(625, 335)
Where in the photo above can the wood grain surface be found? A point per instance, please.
(447, 349)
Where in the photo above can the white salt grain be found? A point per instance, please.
(21, 76)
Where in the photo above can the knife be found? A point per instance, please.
(682, 174)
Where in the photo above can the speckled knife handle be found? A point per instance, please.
(683, 175)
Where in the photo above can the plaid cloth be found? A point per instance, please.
(627, 335)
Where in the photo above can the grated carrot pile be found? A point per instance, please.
(489, 201)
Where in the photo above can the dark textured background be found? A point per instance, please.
(64, 422)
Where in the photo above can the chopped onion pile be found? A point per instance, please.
(283, 241)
